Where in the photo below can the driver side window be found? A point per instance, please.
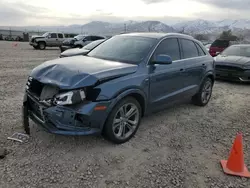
(169, 47)
(53, 35)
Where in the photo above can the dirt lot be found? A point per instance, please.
(179, 147)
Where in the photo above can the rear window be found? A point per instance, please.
(220, 43)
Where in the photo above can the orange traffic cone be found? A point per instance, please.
(235, 163)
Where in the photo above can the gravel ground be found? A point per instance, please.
(178, 147)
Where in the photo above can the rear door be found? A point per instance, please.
(166, 81)
(195, 64)
(60, 39)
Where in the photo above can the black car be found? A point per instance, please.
(81, 51)
(234, 63)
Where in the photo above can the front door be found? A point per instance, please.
(52, 40)
(166, 81)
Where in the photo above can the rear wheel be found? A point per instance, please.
(41, 45)
(123, 121)
(204, 94)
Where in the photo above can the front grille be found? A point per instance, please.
(35, 108)
(229, 68)
(35, 87)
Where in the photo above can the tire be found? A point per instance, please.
(41, 45)
(205, 92)
(116, 132)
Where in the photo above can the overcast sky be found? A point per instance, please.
(66, 12)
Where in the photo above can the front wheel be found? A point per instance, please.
(123, 121)
(204, 94)
(41, 45)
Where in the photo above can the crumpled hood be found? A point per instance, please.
(232, 60)
(79, 71)
(74, 51)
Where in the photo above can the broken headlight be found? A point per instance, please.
(71, 97)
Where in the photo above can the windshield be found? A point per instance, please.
(129, 49)
(79, 37)
(45, 34)
(92, 45)
(237, 51)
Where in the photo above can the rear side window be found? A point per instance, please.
(53, 35)
(60, 35)
(220, 43)
(88, 38)
(93, 38)
(189, 49)
(169, 47)
(200, 50)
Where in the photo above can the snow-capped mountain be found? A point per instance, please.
(130, 26)
(206, 27)
(240, 24)
(198, 26)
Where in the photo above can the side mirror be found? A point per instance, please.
(162, 59)
(49, 36)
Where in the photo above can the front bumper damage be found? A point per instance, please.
(80, 119)
(231, 75)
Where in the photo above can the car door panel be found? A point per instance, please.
(194, 66)
(166, 80)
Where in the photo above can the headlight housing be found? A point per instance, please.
(69, 98)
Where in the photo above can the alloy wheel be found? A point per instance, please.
(126, 121)
(206, 92)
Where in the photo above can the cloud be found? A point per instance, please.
(154, 1)
(16, 13)
(228, 4)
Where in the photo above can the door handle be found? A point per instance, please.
(181, 70)
(203, 64)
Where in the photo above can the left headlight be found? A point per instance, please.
(71, 97)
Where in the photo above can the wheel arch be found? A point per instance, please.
(135, 93)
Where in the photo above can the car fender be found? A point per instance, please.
(124, 94)
(208, 73)
(40, 40)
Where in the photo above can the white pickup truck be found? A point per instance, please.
(49, 39)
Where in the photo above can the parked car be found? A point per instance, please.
(79, 41)
(49, 39)
(221, 44)
(81, 51)
(18, 38)
(234, 63)
(117, 83)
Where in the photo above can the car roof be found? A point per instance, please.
(157, 35)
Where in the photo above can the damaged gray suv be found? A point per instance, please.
(116, 84)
